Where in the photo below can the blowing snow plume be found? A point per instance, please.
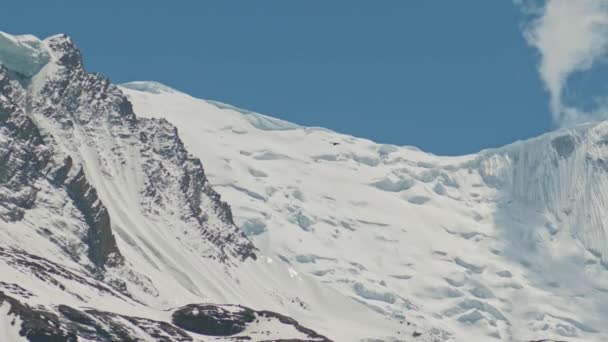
(571, 36)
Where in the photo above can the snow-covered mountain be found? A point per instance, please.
(109, 226)
(112, 227)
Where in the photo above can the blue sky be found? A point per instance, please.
(450, 77)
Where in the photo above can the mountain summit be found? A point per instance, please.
(112, 227)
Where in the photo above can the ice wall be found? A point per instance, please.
(22, 54)
(563, 174)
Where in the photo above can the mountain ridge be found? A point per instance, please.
(355, 240)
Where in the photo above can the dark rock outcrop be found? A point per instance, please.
(25, 158)
(90, 107)
(230, 320)
(213, 320)
(73, 103)
(37, 325)
(106, 326)
(102, 245)
(163, 147)
(70, 325)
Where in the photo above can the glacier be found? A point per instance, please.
(138, 212)
(504, 244)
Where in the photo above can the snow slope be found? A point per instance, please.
(506, 244)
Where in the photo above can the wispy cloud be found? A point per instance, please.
(571, 36)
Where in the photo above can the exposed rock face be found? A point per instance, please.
(89, 124)
(65, 323)
(171, 169)
(53, 274)
(27, 159)
(23, 155)
(213, 320)
(102, 245)
(229, 320)
(38, 325)
(68, 324)
(90, 117)
(107, 326)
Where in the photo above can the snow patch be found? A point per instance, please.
(269, 155)
(385, 150)
(149, 87)
(266, 123)
(259, 121)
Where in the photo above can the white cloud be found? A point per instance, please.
(571, 36)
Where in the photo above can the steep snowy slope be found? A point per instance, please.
(506, 244)
(110, 230)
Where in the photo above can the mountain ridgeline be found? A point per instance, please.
(112, 227)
